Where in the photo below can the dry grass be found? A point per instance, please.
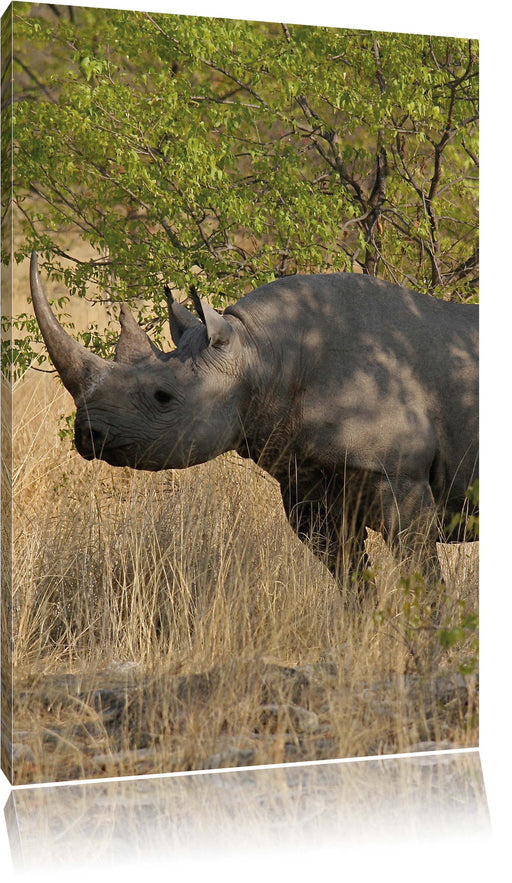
(173, 621)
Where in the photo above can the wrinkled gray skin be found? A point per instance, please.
(358, 396)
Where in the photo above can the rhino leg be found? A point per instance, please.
(328, 513)
(410, 524)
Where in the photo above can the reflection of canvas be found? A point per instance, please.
(418, 802)
(170, 620)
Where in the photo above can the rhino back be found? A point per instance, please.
(367, 372)
(344, 303)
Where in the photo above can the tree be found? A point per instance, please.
(222, 154)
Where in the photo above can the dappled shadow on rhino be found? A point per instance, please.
(359, 396)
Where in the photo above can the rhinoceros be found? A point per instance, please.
(359, 396)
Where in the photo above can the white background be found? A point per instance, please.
(488, 22)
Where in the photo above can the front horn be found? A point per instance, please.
(77, 367)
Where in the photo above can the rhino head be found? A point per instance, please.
(150, 409)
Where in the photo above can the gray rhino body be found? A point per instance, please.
(360, 398)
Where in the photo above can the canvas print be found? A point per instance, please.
(240, 385)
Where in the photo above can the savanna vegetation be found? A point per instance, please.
(173, 621)
(226, 153)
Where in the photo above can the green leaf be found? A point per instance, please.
(178, 144)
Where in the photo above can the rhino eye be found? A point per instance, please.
(162, 397)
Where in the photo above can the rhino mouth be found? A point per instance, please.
(96, 440)
(97, 444)
(91, 447)
(112, 456)
(138, 460)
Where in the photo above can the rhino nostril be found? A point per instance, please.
(96, 439)
(89, 440)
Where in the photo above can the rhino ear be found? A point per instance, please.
(134, 345)
(179, 317)
(217, 327)
(198, 304)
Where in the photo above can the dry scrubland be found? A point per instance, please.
(172, 621)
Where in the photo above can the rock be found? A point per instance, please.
(124, 757)
(291, 718)
(129, 666)
(232, 757)
(430, 746)
(454, 686)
